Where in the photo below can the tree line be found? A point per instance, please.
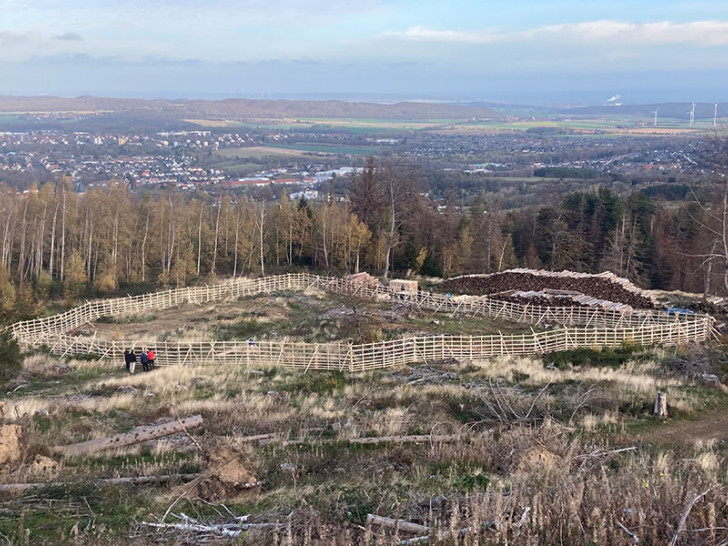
(58, 243)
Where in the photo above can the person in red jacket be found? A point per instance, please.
(150, 358)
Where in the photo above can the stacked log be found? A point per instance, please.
(605, 287)
(545, 298)
(364, 279)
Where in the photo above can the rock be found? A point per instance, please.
(40, 412)
(710, 380)
(150, 394)
(180, 387)
(288, 467)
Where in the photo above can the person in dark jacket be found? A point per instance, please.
(144, 359)
(132, 361)
(126, 359)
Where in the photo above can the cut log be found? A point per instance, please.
(406, 439)
(136, 436)
(132, 480)
(405, 526)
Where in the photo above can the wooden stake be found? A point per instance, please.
(661, 405)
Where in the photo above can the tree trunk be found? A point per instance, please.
(136, 436)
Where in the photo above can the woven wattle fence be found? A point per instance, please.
(579, 327)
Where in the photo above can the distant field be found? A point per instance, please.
(214, 122)
(294, 150)
(323, 148)
(239, 168)
(627, 125)
(257, 152)
(381, 126)
(8, 118)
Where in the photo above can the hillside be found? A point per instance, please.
(244, 109)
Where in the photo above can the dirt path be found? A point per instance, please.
(712, 425)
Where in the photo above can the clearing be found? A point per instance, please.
(313, 316)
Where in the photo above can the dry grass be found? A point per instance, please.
(531, 438)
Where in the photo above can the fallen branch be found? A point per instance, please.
(635, 538)
(230, 530)
(184, 429)
(684, 517)
(136, 436)
(602, 453)
(406, 439)
(402, 525)
(444, 534)
(132, 480)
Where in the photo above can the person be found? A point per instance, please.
(132, 361)
(144, 359)
(150, 357)
(126, 359)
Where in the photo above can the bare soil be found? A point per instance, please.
(709, 426)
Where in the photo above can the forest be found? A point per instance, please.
(56, 244)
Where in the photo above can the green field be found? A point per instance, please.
(8, 118)
(328, 149)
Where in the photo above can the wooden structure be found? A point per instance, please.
(403, 285)
(581, 327)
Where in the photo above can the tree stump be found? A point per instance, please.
(661, 405)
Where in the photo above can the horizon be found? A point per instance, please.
(529, 52)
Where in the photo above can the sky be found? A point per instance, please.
(542, 51)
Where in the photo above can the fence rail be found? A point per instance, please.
(582, 327)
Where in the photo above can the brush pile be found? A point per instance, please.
(539, 287)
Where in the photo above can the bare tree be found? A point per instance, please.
(399, 188)
(713, 219)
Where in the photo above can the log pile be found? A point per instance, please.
(545, 298)
(604, 286)
(364, 279)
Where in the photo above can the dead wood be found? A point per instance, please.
(402, 525)
(684, 517)
(131, 480)
(136, 436)
(406, 439)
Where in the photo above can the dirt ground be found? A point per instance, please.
(709, 426)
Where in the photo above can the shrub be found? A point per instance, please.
(10, 360)
(592, 357)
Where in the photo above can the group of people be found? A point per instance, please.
(146, 358)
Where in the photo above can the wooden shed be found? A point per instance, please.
(403, 285)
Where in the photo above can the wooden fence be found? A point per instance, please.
(582, 327)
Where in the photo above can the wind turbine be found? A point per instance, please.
(692, 115)
(715, 115)
(657, 110)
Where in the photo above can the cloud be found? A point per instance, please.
(10, 39)
(696, 33)
(420, 34)
(69, 37)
